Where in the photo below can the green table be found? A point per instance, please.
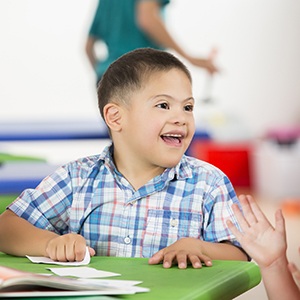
(225, 280)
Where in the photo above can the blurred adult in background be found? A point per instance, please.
(124, 25)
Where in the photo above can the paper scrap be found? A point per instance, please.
(82, 272)
(113, 282)
(116, 284)
(47, 260)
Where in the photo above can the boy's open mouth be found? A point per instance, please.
(172, 139)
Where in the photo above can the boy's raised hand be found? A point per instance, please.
(182, 252)
(68, 247)
(264, 243)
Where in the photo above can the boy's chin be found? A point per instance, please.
(170, 163)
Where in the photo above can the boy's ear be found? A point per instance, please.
(112, 115)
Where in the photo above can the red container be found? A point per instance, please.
(230, 157)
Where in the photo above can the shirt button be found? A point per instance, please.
(127, 240)
(174, 222)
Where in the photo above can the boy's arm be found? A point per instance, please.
(196, 251)
(19, 237)
(224, 251)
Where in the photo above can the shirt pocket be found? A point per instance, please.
(164, 228)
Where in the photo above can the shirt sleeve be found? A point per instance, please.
(48, 205)
(217, 210)
(96, 26)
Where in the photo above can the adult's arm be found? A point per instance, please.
(149, 20)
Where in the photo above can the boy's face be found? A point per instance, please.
(159, 124)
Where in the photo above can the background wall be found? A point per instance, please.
(44, 73)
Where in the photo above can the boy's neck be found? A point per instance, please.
(136, 174)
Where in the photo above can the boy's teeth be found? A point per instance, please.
(174, 135)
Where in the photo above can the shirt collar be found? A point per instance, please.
(181, 171)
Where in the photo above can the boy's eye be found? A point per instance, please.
(189, 107)
(163, 105)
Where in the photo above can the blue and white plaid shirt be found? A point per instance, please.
(89, 196)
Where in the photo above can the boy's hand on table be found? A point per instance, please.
(182, 252)
(68, 247)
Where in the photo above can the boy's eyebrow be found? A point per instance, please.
(168, 96)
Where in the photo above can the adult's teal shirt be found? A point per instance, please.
(115, 24)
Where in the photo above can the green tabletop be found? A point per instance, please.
(7, 157)
(224, 280)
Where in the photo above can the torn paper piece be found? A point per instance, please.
(82, 272)
(47, 260)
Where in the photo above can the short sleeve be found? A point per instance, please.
(48, 205)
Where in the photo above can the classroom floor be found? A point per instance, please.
(269, 206)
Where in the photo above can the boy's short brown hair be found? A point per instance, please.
(129, 72)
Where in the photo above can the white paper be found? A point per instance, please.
(113, 282)
(47, 260)
(82, 272)
(117, 284)
(35, 294)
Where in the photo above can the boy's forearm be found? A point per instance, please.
(223, 251)
(19, 237)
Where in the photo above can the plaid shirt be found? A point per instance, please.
(89, 196)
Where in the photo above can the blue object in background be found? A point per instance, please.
(58, 130)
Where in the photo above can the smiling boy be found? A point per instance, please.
(141, 197)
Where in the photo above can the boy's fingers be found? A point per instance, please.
(181, 260)
(79, 251)
(156, 258)
(61, 253)
(51, 249)
(168, 259)
(92, 251)
(70, 252)
(196, 261)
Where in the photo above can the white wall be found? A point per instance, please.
(44, 73)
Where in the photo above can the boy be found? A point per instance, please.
(141, 197)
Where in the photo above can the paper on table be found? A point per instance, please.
(113, 282)
(47, 260)
(82, 272)
(117, 284)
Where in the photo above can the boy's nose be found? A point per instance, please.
(179, 117)
(180, 122)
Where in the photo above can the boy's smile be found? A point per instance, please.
(173, 138)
